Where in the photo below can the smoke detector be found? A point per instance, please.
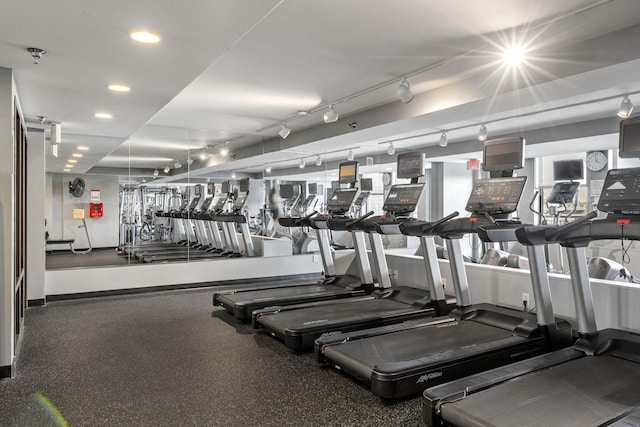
(36, 53)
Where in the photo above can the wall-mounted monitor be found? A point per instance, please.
(313, 188)
(503, 154)
(629, 144)
(244, 185)
(410, 165)
(366, 184)
(568, 170)
(287, 191)
(226, 187)
(348, 172)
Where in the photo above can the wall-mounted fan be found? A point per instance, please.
(76, 187)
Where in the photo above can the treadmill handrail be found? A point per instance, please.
(359, 219)
(428, 227)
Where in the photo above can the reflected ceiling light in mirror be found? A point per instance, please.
(204, 155)
(167, 169)
(233, 174)
(177, 165)
(268, 169)
(302, 164)
(145, 37)
(119, 88)
(514, 55)
(76, 155)
(72, 161)
(443, 139)
(391, 149)
(350, 155)
(318, 161)
(155, 173)
(224, 150)
(189, 161)
(330, 115)
(284, 131)
(482, 133)
(404, 92)
(102, 115)
(82, 147)
(66, 170)
(626, 107)
(68, 166)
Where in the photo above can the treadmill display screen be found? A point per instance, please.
(239, 202)
(621, 192)
(222, 200)
(563, 192)
(341, 199)
(496, 195)
(403, 198)
(206, 204)
(362, 198)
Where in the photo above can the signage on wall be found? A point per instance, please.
(95, 195)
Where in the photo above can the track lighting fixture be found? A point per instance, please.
(268, 169)
(482, 133)
(284, 131)
(302, 164)
(626, 107)
(391, 150)
(350, 155)
(189, 161)
(443, 139)
(404, 92)
(167, 169)
(330, 116)
(155, 173)
(225, 149)
(177, 165)
(318, 161)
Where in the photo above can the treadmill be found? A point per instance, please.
(241, 303)
(595, 383)
(404, 359)
(299, 325)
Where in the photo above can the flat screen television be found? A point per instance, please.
(503, 154)
(410, 165)
(244, 185)
(226, 187)
(348, 172)
(629, 144)
(287, 191)
(366, 184)
(568, 170)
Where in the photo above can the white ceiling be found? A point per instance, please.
(228, 70)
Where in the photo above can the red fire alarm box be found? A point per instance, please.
(95, 210)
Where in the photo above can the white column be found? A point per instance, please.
(36, 154)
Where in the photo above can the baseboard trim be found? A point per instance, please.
(8, 371)
(36, 303)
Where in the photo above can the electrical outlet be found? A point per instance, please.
(525, 298)
(315, 258)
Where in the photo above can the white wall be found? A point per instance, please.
(36, 151)
(61, 224)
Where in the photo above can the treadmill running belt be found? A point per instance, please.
(363, 356)
(277, 294)
(586, 392)
(333, 314)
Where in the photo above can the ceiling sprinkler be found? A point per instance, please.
(36, 54)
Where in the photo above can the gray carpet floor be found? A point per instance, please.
(172, 359)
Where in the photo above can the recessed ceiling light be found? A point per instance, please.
(72, 161)
(76, 155)
(119, 88)
(68, 166)
(103, 115)
(66, 170)
(514, 55)
(82, 147)
(145, 37)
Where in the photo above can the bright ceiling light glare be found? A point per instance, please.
(82, 147)
(626, 107)
(119, 88)
(155, 173)
(443, 140)
(76, 155)
(482, 133)
(350, 155)
(391, 150)
(233, 175)
(167, 169)
(103, 115)
(284, 131)
(268, 169)
(72, 161)
(318, 161)
(68, 166)
(224, 151)
(404, 92)
(302, 164)
(204, 156)
(514, 56)
(66, 170)
(145, 37)
(330, 116)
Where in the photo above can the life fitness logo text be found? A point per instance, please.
(429, 376)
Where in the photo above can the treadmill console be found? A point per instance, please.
(220, 203)
(341, 200)
(403, 198)
(206, 204)
(496, 195)
(194, 202)
(563, 192)
(238, 204)
(362, 199)
(621, 192)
